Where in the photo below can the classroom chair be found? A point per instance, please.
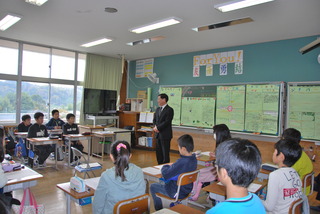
(86, 166)
(183, 179)
(137, 205)
(308, 180)
(296, 207)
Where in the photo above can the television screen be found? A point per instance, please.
(98, 101)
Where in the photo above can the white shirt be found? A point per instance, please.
(284, 187)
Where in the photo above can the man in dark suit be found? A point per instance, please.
(163, 128)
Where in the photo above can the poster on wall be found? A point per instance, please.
(144, 67)
(174, 95)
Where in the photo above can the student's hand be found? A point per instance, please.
(211, 154)
(155, 129)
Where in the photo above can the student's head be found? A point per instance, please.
(162, 99)
(286, 153)
(185, 143)
(238, 162)
(26, 119)
(70, 118)
(292, 135)
(120, 155)
(55, 114)
(38, 116)
(221, 133)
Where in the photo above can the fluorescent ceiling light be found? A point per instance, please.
(237, 4)
(223, 24)
(144, 41)
(36, 2)
(97, 42)
(156, 25)
(8, 21)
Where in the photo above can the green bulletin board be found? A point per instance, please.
(304, 110)
(262, 108)
(231, 106)
(174, 95)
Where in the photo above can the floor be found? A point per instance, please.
(54, 199)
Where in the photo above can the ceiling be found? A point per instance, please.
(69, 23)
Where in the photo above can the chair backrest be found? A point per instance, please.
(308, 180)
(78, 154)
(296, 207)
(186, 178)
(135, 205)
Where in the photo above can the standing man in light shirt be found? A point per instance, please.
(163, 128)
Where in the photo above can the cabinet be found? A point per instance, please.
(145, 130)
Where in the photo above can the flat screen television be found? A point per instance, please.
(100, 102)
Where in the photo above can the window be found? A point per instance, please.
(8, 101)
(62, 99)
(62, 66)
(81, 66)
(79, 101)
(34, 98)
(35, 61)
(8, 57)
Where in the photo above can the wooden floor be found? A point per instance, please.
(54, 199)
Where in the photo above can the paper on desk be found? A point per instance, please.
(75, 135)
(152, 170)
(159, 167)
(91, 165)
(42, 138)
(205, 153)
(165, 211)
(24, 173)
(92, 182)
(254, 187)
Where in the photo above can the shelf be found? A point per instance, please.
(144, 123)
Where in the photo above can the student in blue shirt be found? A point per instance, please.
(238, 164)
(170, 173)
(55, 122)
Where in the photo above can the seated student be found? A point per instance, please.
(221, 133)
(39, 130)
(55, 122)
(71, 128)
(186, 163)
(304, 165)
(25, 124)
(238, 164)
(123, 181)
(284, 185)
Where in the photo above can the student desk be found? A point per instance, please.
(205, 159)
(22, 135)
(103, 135)
(21, 179)
(78, 137)
(43, 141)
(218, 191)
(70, 194)
(263, 174)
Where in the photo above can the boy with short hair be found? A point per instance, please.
(238, 164)
(40, 130)
(304, 165)
(25, 124)
(55, 122)
(284, 185)
(170, 173)
(71, 128)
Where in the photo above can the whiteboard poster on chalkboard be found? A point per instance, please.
(144, 67)
(304, 110)
(198, 111)
(174, 95)
(262, 108)
(230, 106)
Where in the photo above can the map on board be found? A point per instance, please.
(198, 111)
(262, 108)
(174, 95)
(230, 106)
(304, 110)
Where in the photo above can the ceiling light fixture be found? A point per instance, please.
(8, 21)
(238, 4)
(97, 42)
(223, 24)
(36, 2)
(144, 41)
(156, 25)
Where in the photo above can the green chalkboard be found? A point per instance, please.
(304, 110)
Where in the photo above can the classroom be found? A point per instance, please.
(254, 69)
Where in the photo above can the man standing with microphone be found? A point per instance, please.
(162, 122)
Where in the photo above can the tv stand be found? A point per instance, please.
(94, 118)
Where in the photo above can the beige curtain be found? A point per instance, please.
(102, 73)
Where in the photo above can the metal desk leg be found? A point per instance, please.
(89, 148)
(69, 151)
(68, 203)
(56, 156)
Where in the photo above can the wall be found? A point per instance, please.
(264, 62)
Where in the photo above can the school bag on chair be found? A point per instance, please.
(28, 205)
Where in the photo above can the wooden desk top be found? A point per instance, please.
(23, 175)
(76, 136)
(221, 189)
(205, 158)
(180, 208)
(42, 139)
(66, 188)
(100, 134)
(20, 133)
(265, 171)
(91, 127)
